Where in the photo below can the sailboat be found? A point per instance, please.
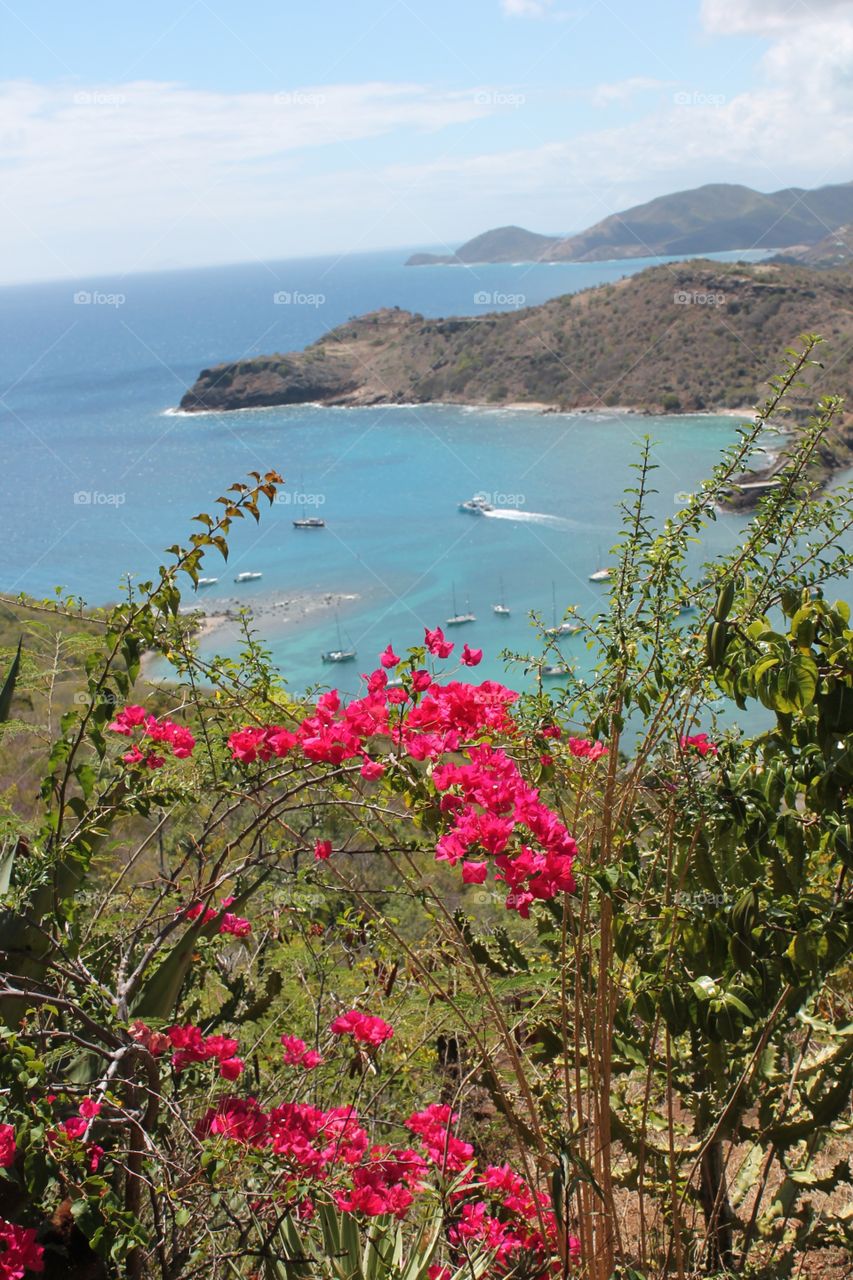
(560, 628)
(557, 669)
(500, 609)
(342, 653)
(603, 574)
(459, 619)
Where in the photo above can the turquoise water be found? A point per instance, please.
(98, 476)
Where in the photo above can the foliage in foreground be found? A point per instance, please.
(266, 1012)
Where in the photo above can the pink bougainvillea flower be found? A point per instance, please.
(436, 643)
(156, 1042)
(237, 926)
(297, 1054)
(699, 742)
(364, 1027)
(585, 749)
(372, 769)
(191, 1046)
(388, 658)
(322, 850)
(8, 1149)
(175, 736)
(94, 1155)
(474, 872)
(421, 681)
(19, 1252)
(471, 657)
(89, 1108)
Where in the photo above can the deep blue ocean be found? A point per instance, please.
(99, 476)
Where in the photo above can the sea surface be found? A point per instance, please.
(99, 473)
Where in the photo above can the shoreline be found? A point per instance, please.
(541, 407)
(289, 611)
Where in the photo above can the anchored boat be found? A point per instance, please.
(459, 619)
(248, 577)
(343, 653)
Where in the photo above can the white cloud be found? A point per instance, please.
(767, 17)
(131, 162)
(620, 90)
(526, 8)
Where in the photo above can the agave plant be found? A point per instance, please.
(348, 1252)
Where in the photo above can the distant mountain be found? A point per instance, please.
(707, 219)
(504, 244)
(693, 335)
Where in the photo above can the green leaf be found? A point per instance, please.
(8, 689)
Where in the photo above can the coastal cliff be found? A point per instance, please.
(677, 338)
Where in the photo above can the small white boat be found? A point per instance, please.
(343, 653)
(339, 655)
(206, 582)
(500, 609)
(459, 619)
(601, 575)
(559, 669)
(559, 628)
(248, 577)
(309, 522)
(476, 506)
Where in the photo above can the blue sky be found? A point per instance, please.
(138, 137)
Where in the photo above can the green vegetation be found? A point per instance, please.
(634, 1068)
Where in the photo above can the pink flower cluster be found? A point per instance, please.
(489, 805)
(19, 1252)
(585, 749)
(700, 743)
(192, 1046)
(152, 732)
(490, 811)
(363, 1027)
(297, 1054)
(8, 1149)
(228, 923)
(497, 1210)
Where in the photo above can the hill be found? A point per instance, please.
(834, 250)
(504, 244)
(681, 337)
(708, 219)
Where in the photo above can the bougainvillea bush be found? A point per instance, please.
(442, 981)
